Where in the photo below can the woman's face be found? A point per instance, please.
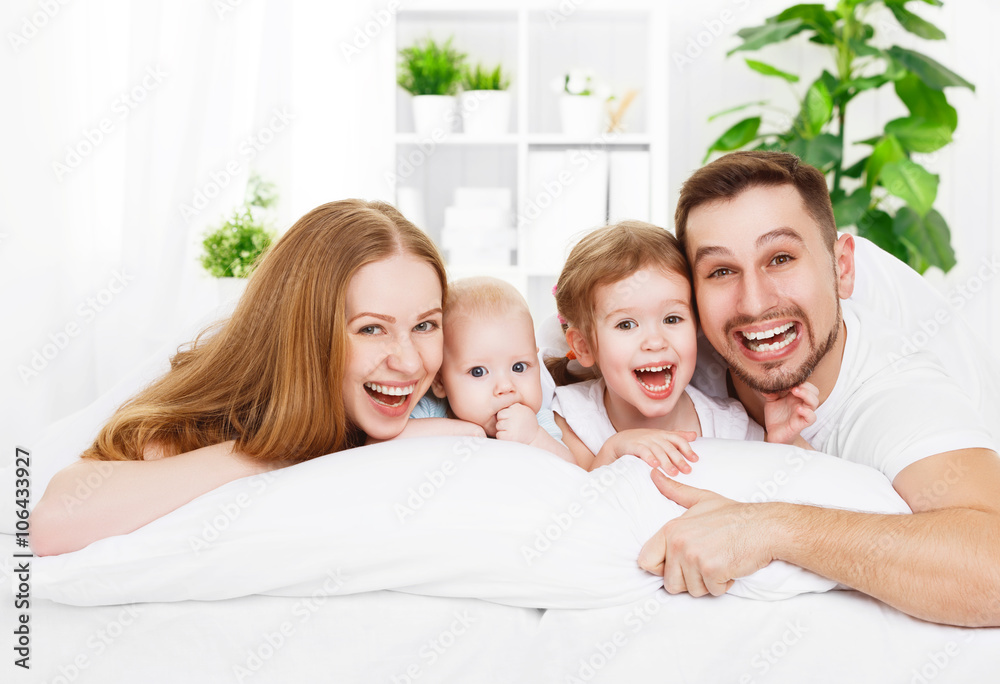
(394, 342)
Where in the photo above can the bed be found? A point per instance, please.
(480, 573)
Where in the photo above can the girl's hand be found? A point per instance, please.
(517, 423)
(658, 448)
(788, 414)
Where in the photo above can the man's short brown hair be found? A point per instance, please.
(729, 176)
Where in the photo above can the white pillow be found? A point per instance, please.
(446, 516)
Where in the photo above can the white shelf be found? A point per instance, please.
(456, 139)
(556, 139)
(603, 140)
(619, 41)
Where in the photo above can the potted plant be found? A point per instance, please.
(431, 73)
(232, 249)
(886, 194)
(583, 109)
(485, 102)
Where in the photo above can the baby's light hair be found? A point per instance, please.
(483, 296)
(605, 256)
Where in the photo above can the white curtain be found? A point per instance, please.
(117, 116)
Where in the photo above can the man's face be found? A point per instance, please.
(767, 287)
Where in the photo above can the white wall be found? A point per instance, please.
(61, 241)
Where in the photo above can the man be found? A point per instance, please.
(769, 274)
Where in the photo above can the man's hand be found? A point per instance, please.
(716, 541)
(658, 448)
(517, 423)
(789, 413)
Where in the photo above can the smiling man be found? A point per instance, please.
(770, 275)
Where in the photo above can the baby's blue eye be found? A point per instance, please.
(519, 367)
(477, 372)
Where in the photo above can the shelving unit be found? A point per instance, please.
(626, 48)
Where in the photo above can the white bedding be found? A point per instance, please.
(448, 516)
(838, 636)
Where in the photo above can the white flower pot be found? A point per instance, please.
(582, 116)
(485, 113)
(433, 113)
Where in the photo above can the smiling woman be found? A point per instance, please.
(338, 333)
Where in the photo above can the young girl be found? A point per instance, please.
(337, 336)
(626, 299)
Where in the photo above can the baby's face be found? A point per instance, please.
(490, 363)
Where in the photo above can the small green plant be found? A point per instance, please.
(232, 249)
(428, 68)
(885, 194)
(481, 78)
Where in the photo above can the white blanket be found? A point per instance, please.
(447, 516)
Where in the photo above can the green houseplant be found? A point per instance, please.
(485, 102)
(232, 249)
(886, 195)
(431, 72)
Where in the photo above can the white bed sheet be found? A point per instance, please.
(839, 636)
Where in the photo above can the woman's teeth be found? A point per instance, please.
(380, 394)
(752, 340)
(391, 391)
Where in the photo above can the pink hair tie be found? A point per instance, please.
(562, 321)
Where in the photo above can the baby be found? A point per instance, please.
(490, 379)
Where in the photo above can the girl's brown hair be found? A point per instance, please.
(270, 376)
(606, 256)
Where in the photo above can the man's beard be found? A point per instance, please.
(784, 380)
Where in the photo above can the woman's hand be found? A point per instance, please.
(437, 427)
(658, 448)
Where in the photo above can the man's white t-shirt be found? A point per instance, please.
(891, 405)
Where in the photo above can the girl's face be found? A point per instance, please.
(394, 342)
(646, 341)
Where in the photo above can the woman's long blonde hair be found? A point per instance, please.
(270, 376)
(603, 257)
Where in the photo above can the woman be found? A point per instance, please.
(336, 338)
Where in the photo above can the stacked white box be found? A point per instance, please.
(478, 228)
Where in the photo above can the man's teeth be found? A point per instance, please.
(391, 391)
(768, 334)
(753, 345)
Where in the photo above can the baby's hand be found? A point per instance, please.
(517, 423)
(788, 414)
(671, 450)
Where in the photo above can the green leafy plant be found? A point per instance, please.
(907, 226)
(427, 68)
(481, 78)
(232, 249)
